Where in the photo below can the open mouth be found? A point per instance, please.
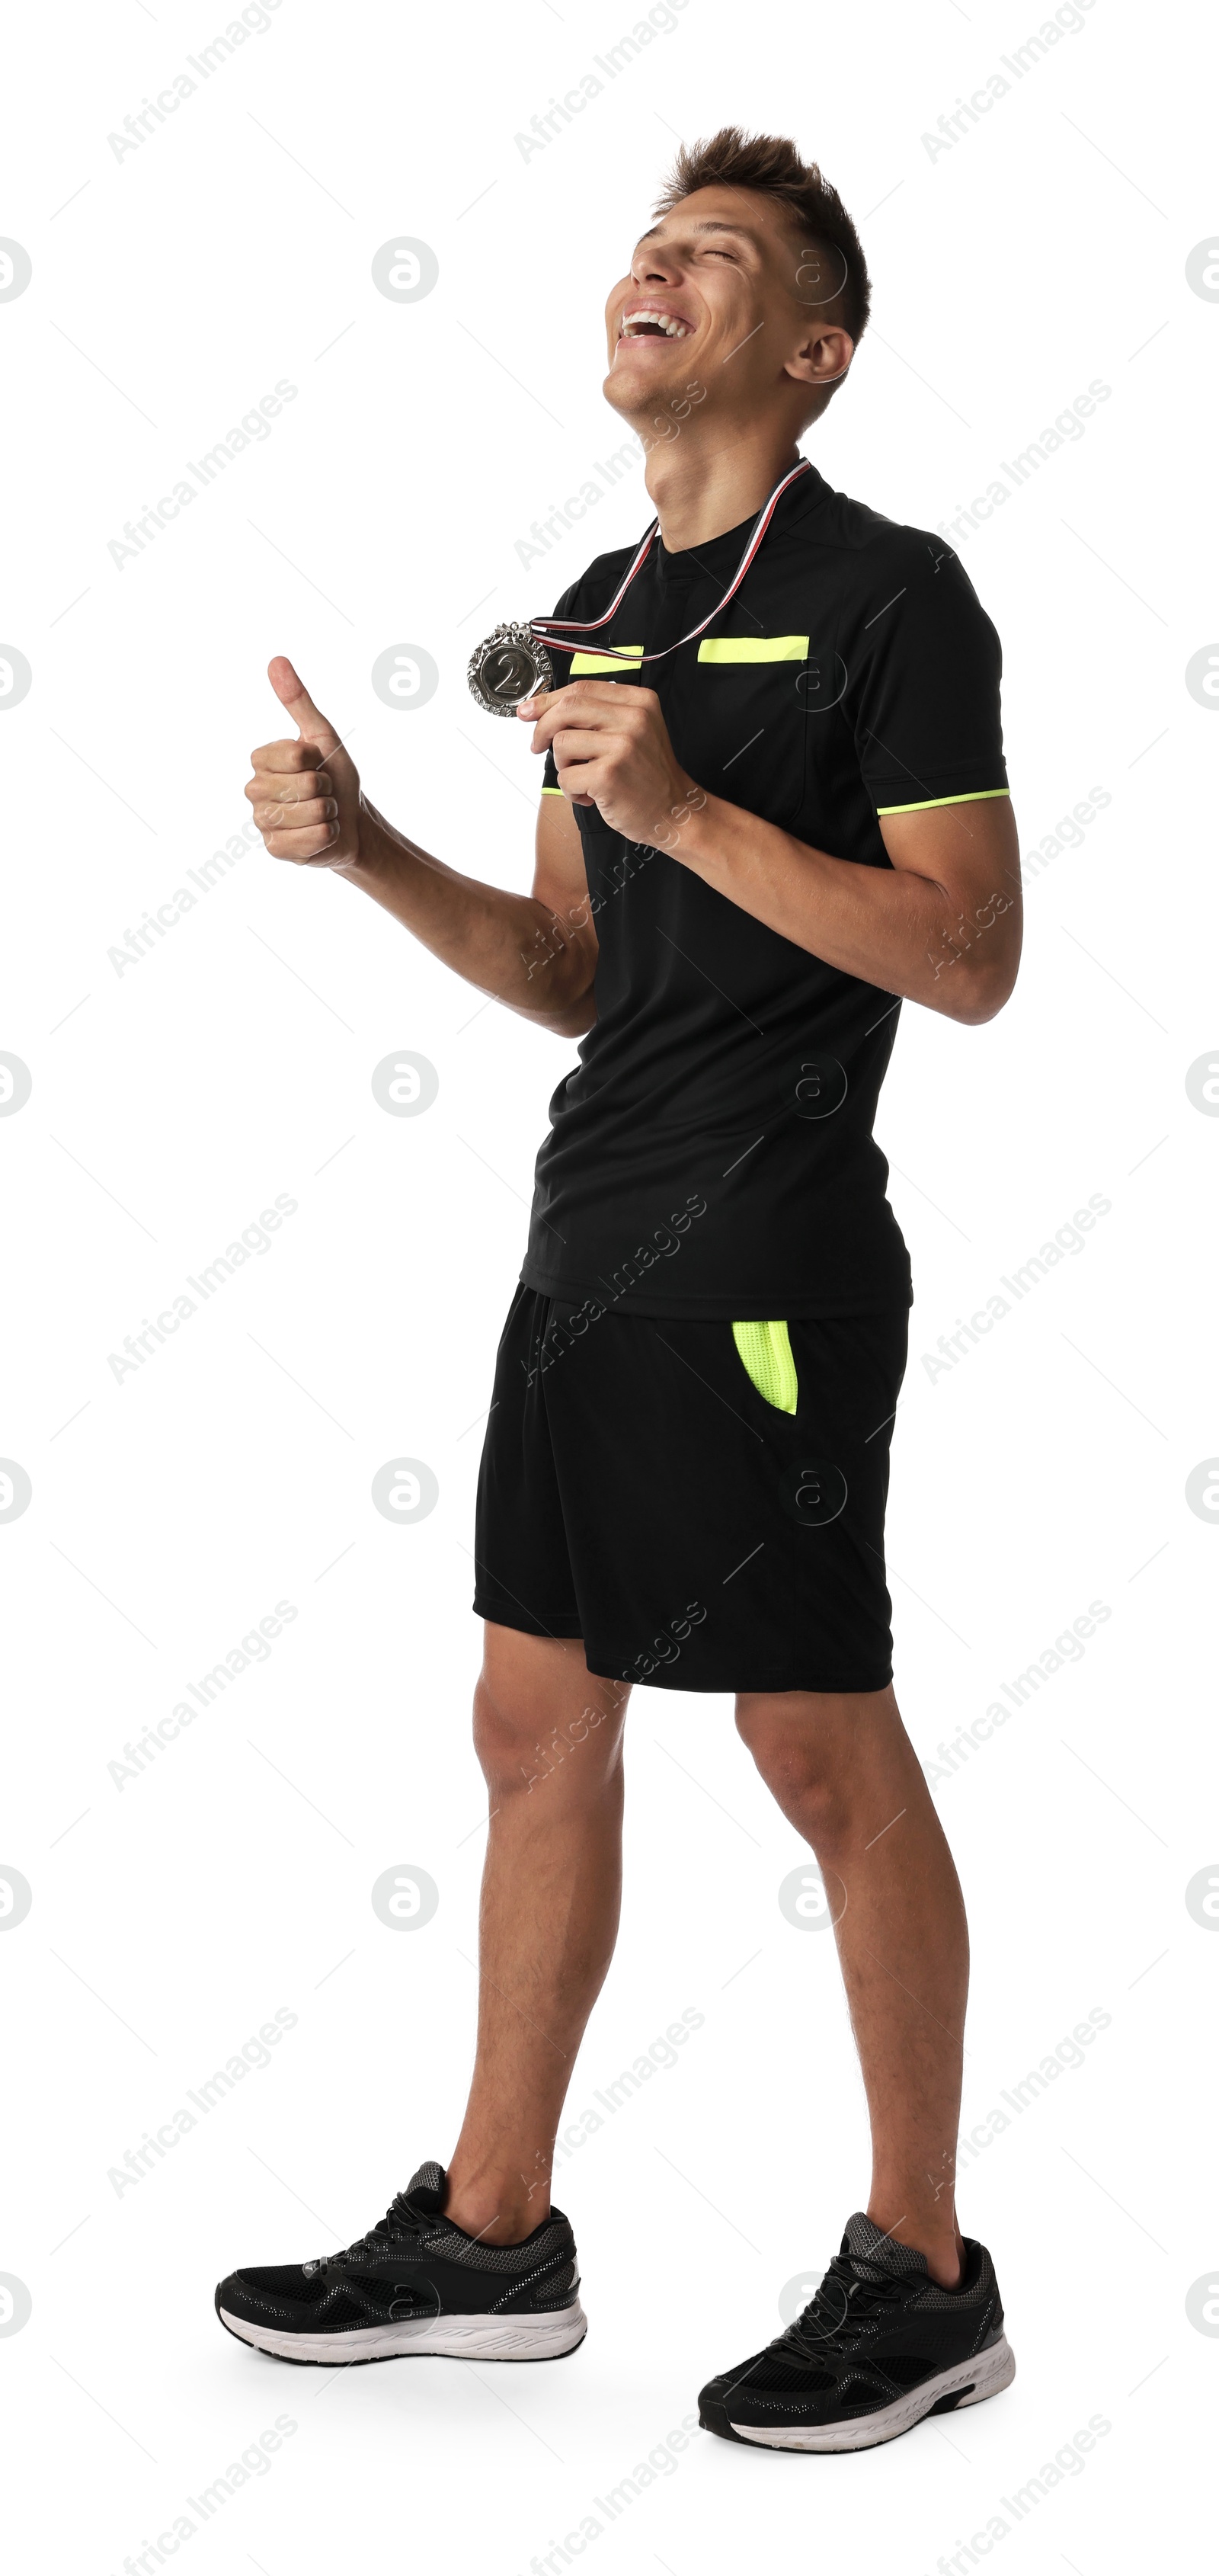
(651, 322)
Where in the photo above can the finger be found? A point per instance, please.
(592, 703)
(288, 787)
(537, 706)
(584, 781)
(290, 689)
(320, 814)
(597, 692)
(569, 746)
(286, 755)
(302, 845)
(565, 713)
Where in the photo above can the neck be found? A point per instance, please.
(710, 478)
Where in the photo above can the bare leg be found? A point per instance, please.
(549, 1738)
(845, 1773)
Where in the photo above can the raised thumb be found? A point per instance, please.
(290, 689)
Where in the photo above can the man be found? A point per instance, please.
(779, 812)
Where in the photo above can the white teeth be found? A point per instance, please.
(664, 321)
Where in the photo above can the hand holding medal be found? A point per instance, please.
(612, 749)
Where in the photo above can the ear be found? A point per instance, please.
(822, 355)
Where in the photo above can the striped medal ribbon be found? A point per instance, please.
(513, 663)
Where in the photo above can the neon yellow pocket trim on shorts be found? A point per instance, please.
(766, 1354)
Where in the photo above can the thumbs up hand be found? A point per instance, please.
(305, 794)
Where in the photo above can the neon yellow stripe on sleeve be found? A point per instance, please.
(606, 665)
(552, 791)
(753, 648)
(976, 796)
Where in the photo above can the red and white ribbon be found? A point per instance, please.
(541, 626)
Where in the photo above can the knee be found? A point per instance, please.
(505, 1736)
(803, 1766)
(519, 1741)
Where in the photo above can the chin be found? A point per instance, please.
(638, 401)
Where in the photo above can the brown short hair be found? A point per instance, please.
(772, 164)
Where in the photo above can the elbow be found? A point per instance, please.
(979, 996)
(576, 1013)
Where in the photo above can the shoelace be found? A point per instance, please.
(403, 2221)
(847, 2299)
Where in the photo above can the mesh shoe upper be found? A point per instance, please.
(876, 2326)
(414, 2261)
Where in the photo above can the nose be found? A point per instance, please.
(651, 268)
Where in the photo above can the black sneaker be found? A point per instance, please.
(879, 2346)
(416, 2283)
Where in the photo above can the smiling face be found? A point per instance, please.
(726, 290)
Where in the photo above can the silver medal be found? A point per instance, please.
(507, 667)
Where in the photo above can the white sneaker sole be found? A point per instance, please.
(477, 2338)
(968, 2382)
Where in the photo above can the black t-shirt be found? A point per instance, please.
(712, 1153)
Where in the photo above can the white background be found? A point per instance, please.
(174, 1913)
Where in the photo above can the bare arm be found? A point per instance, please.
(941, 926)
(535, 952)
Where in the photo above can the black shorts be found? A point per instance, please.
(638, 1491)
